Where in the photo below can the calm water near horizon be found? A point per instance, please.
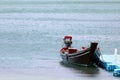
(31, 34)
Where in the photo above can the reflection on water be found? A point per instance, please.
(90, 71)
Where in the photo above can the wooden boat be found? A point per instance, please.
(84, 57)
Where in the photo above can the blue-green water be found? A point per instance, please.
(31, 33)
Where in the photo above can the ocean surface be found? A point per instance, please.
(32, 31)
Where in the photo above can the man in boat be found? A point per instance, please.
(67, 48)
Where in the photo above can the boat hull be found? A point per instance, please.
(85, 57)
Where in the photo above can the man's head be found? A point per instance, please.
(68, 41)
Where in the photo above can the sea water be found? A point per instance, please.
(32, 31)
